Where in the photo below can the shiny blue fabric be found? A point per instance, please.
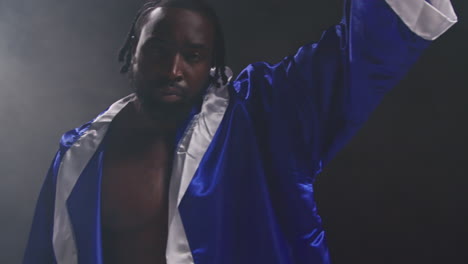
(284, 123)
(251, 200)
(83, 206)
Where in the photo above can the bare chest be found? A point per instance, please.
(134, 205)
(135, 188)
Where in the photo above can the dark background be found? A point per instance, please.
(396, 194)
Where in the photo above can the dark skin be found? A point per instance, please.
(171, 65)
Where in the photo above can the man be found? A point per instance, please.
(196, 168)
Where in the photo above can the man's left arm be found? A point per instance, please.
(312, 102)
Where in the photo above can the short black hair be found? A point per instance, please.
(219, 57)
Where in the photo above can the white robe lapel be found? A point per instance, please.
(71, 167)
(189, 153)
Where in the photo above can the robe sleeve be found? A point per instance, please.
(39, 249)
(311, 103)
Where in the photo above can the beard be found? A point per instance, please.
(150, 96)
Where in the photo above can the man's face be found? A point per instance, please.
(172, 61)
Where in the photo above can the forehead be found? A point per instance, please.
(179, 25)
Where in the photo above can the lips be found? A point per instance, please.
(171, 94)
(171, 91)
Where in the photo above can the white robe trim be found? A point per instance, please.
(428, 19)
(71, 167)
(193, 145)
(189, 153)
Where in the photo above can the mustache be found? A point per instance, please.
(162, 84)
(147, 88)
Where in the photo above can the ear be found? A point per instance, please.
(133, 45)
(214, 56)
(213, 61)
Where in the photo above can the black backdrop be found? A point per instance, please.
(396, 194)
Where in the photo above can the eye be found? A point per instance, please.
(194, 57)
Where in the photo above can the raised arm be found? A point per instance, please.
(311, 103)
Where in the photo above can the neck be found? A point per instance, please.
(156, 125)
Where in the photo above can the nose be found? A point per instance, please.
(176, 68)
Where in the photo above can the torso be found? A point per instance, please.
(135, 185)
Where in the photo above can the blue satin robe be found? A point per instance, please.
(251, 200)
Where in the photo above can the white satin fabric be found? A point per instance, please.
(71, 167)
(427, 19)
(189, 153)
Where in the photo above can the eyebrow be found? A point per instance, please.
(187, 45)
(198, 46)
